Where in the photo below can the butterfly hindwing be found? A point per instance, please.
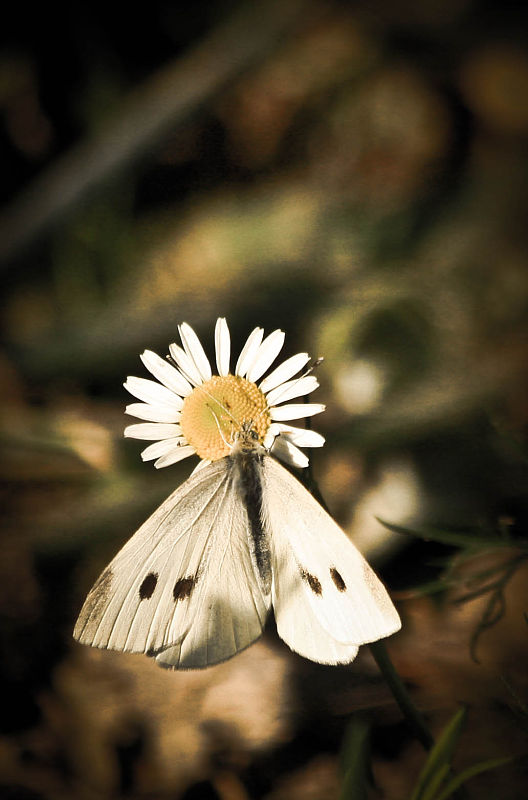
(185, 583)
(319, 576)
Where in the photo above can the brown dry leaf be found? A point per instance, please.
(494, 80)
(382, 142)
(317, 780)
(260, 109)
(181, 718)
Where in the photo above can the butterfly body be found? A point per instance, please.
(241, 536)
(245, 463)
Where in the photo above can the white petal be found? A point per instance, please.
(152, 392)
(222, 348)
(296, 411)
(287, 452)
(195, 351)
(168, 375)
(302, 437)
(186, 364)
(152, 431)
(178, 455)
(266, 355)
(291, 389)
(284, 371)
(153, 413)
(247, 356)
(162, 448)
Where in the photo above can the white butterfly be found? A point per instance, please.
(240, 537)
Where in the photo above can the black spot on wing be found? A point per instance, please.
(337, 579)
(183, 588)
(313, 582)
(146, 590)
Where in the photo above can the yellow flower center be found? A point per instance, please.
(217, 410)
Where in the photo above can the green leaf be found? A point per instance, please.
(432, 587)
(441, 754)
(467, 538)
(483, 766)
(429, 792)
(355, 760)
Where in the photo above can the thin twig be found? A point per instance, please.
(145, 116)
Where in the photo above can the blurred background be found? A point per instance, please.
(356, 174)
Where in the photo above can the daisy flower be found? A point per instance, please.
(192, 411)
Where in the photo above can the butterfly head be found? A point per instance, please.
(247, 440)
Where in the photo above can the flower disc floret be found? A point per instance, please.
(220, 408)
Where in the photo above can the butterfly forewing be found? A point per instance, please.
(186, 580)
(318, 573)
(230, 617)
(231, 614)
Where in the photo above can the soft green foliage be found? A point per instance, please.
(436, 781)
(440, 757)
(490, 581)
(456, 782)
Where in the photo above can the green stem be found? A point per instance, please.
(401, 695)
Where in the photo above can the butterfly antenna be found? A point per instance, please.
(215, 416)
(218, 403)
(217, 421)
